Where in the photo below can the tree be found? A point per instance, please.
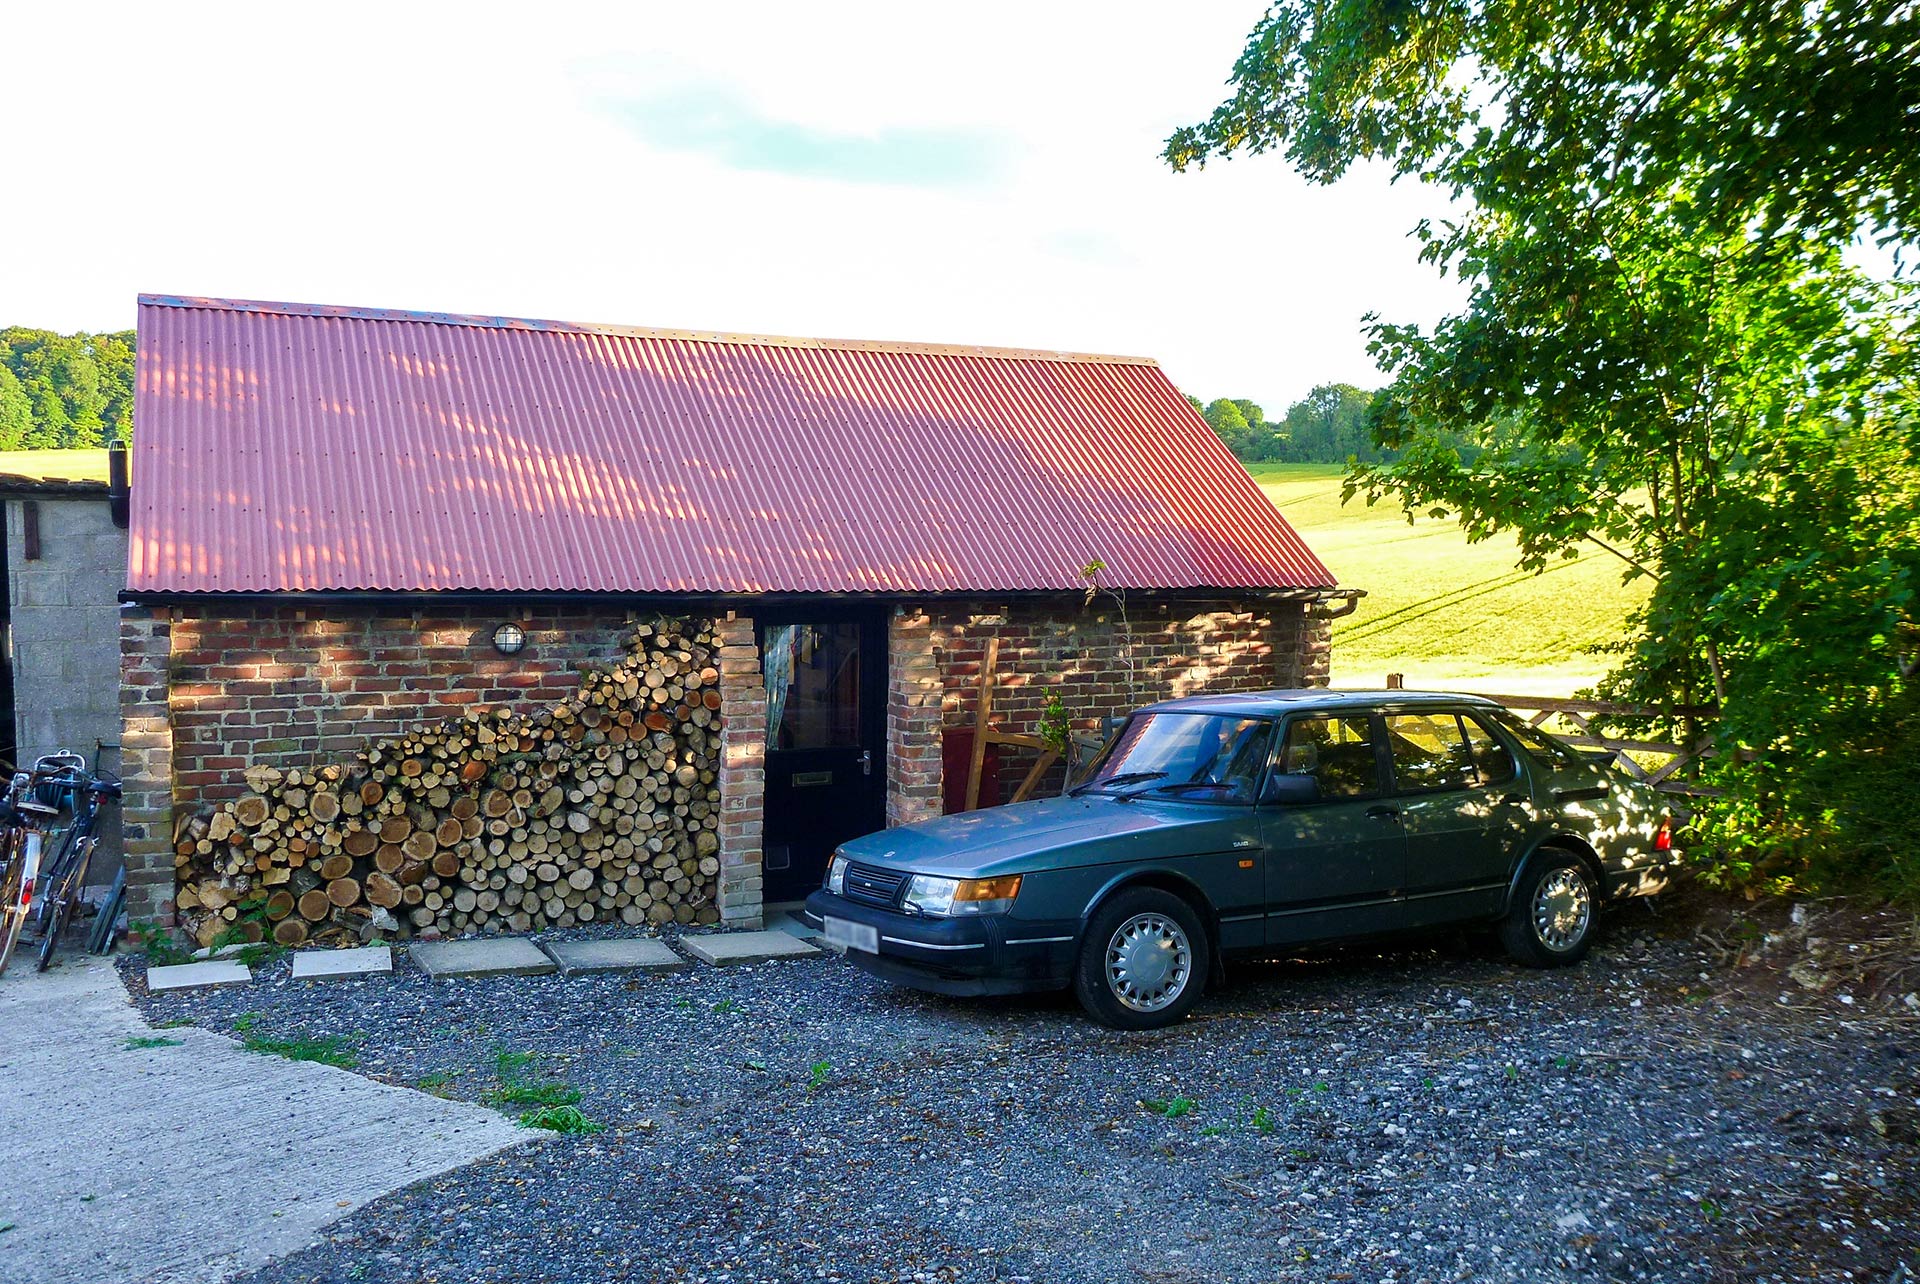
(16, 412)
(1664, 352)
(1230, 422)
(1329, 425)
(79, 387)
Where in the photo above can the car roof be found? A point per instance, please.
(1313, 699)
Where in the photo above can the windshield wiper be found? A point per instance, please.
(1124, 778)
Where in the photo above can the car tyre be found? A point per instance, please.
(1554, 912)
(1144, 960)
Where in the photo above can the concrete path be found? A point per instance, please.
(187, 1164)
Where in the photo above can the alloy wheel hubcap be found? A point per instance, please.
(1149, 961)
(1562, 908)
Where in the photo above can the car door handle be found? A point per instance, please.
(1383, 813)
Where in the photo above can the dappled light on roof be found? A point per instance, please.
(292, 448)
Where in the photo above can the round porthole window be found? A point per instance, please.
(508, 639)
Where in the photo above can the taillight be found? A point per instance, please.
(1663, 841)
(26, 896)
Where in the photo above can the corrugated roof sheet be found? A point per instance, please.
(284, 447)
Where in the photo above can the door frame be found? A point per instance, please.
(874, 684)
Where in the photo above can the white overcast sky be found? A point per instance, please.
(986, 173)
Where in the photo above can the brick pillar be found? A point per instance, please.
(146, 763)
(913, 719)
(743, 774)
(1316, 649)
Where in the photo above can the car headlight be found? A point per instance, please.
(837, 875)
(951, 897)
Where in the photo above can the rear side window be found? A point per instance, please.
(1433, 751)
(1337, 752)
(1428, 752)
(1490, 757)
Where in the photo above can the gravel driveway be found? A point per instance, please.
(1425, 1114)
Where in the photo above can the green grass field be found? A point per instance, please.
(1446, 613)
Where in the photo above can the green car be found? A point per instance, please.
(1251, 824)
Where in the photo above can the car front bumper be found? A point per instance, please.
(984, 954)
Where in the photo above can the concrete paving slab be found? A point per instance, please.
(160, 1179)
(499, 956)
(726, 949)
(190, 976)
(621, 954)
(793, 923)
(334, 965)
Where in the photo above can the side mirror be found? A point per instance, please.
(1291, 787)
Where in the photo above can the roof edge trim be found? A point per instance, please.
(632, 331)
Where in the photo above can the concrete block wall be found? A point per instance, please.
(65, 613)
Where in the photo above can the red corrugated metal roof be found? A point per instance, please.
(283, 447)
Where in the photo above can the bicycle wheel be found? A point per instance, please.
(53, 874)
(70, 893)
(100, 939)
(12, 917)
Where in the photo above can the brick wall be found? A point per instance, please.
(284, 686)
(914, 696)
(1080, 653)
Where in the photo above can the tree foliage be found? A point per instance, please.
(1664, 351)
(63, 391)
(1327, 426)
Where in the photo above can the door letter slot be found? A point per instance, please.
(805, 779)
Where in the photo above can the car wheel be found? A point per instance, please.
(1143, 961)
(1554, 912)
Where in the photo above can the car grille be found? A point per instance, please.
(869, 885)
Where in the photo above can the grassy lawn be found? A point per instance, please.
(1446, 613)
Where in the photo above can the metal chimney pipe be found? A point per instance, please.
(119, 483)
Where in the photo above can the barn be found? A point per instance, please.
(412, 598)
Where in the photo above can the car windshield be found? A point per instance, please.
(1204, 757)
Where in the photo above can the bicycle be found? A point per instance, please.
(65, 883)
(23, 814)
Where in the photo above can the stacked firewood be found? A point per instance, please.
(605, 807)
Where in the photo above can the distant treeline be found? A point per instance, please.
(64, 391)
(1327, 426)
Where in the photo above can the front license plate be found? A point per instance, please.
(843, 935)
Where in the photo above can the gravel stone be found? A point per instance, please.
(1425, 1114)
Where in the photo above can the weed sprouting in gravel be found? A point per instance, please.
(1262, 1121)
(508, 1064)
(566, 1119)
(247, 1020)
(435, 1083)
(1213, 1130)
(139, 1041)
(326, 1049)
(1170, 1107)
(725, 1007)
(817, 1075)
(1513, 1073)
(552, 1093)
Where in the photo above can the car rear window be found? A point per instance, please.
(1539, 743)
